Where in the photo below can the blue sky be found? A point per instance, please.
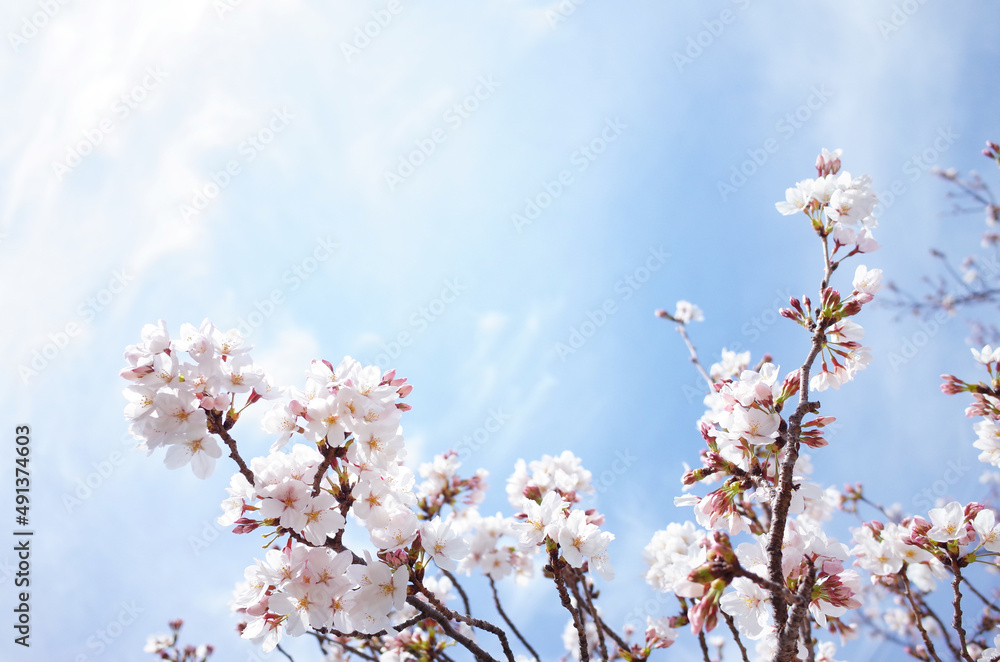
(118, 115)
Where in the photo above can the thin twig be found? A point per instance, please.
(442, 620)
(980, 595)
(578, 578)
(510, 624)
(474, 622)
(364, 635)
(736, 636)
(601, 625)
(916, 617)
(694, 356)
(704, 646)
(461, 591)
(283, 652)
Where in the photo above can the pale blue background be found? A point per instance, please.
(626, 391)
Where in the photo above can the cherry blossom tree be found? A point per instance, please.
(370, 558)
(973, 284)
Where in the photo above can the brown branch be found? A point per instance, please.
(783, 497)
(328, 458)
(980, 595)
(786, 592)
(215, 425)
(736, 636)
(474, 622)
(808, 639)
(564, 598)
(579, 579)
(957, 603)
(322, 638)
(461, 591)
(916, 613)
(601, 625)
(510, 624)
(381, 633)
(704, 646)
(787, 640)
(431, 613)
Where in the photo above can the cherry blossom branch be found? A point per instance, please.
(957, 603)
(590, 609)
(784, 591)
(601, 625)
(788, 639)
(916, 613)
(706, 655)
(980, 595)
(808, 639)
(783, 498)
(449, 629)
(564, 598)
(944, 629)
(410, 622)
(321, 638)
(216, 426)
(694, 355)
(510, 624)
(328, 458)
(283, 652)
(736, 636)
(461, 591)
(468, 620)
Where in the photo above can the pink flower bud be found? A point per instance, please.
(533, 492)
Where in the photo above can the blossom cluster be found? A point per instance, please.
(836, 203)
(985, 405)
(346, 468)
(352, 532)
